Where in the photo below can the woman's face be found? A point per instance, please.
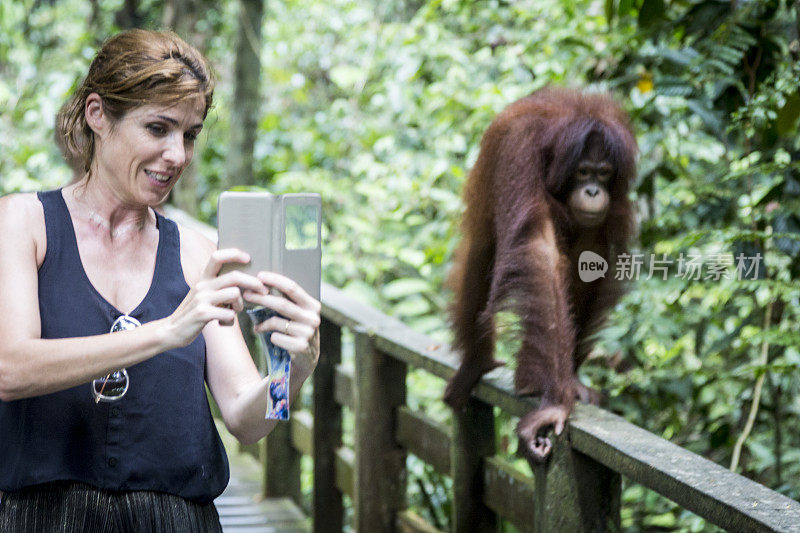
(142, 155)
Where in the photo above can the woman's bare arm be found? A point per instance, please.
(233, 378)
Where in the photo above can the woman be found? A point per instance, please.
(112, 431)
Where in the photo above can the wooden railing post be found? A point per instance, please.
(246, 326)
(380, 474)
(473, 440)
(576, 493)
(327, 510)
(281, 464)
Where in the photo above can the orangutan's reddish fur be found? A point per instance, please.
(520, 245)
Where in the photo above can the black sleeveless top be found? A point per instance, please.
(160, 436)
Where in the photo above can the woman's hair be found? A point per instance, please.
(131, 69)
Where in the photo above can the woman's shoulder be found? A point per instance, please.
(21, 203)
(22, 218)
(196, 250)
(21, 211)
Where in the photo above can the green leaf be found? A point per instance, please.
(347, 76)
(400, 288)
(651, 12)
(786, 122)
(610, 11)
(412, 306)
(707, 115)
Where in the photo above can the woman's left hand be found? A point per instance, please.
(296, 330)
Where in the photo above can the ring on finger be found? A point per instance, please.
(286, 328)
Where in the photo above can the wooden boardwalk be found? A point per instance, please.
(241, 508)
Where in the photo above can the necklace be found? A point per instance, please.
(96, 218)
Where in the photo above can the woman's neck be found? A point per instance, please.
(105, 211)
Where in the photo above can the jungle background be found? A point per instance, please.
(380, 107)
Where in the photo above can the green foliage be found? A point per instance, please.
(717, 108)
(381, 110)
(33, 84)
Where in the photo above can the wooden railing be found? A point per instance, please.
(578, 490)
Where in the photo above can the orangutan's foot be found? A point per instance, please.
(533, 428)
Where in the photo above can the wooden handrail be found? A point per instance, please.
(578, 490)
(724, 498)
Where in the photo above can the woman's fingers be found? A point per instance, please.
(289, 288)
(294, 345)
(222, 257)
(298, 328)
(216, 297)
(286, 327)
(225, 316)
(235, 278)
(295, 326)
(229, 297)
(279, 304)
(225, 291)
(285, 307)
(305, 351)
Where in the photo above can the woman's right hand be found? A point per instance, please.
(213, 297)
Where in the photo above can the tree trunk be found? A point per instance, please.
(128, 16)
(246, 102)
